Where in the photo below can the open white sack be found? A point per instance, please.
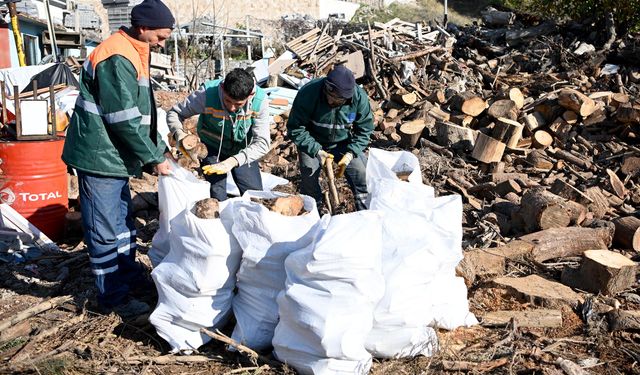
(422, 238)
(195, 281)
(176, 192)
(266, 239)
(382, 164)
(332, 287)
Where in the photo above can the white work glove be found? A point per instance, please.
(221, 168)
(323, 156)
(343, 163)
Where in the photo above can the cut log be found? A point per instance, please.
(621, 320)
(516, 95)
(533, 121)
(289, 206)
(462, 120)
(408, 99)
(454, 136)
(484, 263)
(439, 114)
(627, 113)
(469, 104)
(541, 209)
(577, 102)
(570, 117)
(506, 187)
(627, 234)
(538, 160)
(630, 166)
(492, 16)
(507, 131)
(190, 142)
(487, 149)
(568, 156)
(503, 108)
(602, 271)
(410, 133)
(567, 242)
(540, 318)
(541, 139)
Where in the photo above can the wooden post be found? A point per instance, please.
(4, 102)
(16, 99)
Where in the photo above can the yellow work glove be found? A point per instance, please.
(221, 168)
(323, 156)
(343, 163)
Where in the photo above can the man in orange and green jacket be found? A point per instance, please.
(111, 136)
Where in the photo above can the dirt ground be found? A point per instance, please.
(72, 338)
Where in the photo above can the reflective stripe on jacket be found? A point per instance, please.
(217, 124)
(112, 131)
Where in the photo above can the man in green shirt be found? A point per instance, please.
(331, 118)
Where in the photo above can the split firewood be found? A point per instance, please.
(577, 102)
(289, 206)
(488, 149)
(538, 318)
(517, 97)
(437, 96)
(537, 159)
(208, 208)
(507, 131)
(602, 271)
(533, 121)
(616, 184)
(630, 166)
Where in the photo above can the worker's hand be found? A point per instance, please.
(343, 163)
(179, 135)
(221, 168)
(163, 168)
(323, 156)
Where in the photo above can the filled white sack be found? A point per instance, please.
(266, 239)
(176, 192)
(422, 245)
(332, 287)
(382, 164)
(196, 279)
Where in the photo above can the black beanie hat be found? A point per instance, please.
(152, 13)
(341, 81)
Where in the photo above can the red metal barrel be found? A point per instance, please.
(34, 183)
